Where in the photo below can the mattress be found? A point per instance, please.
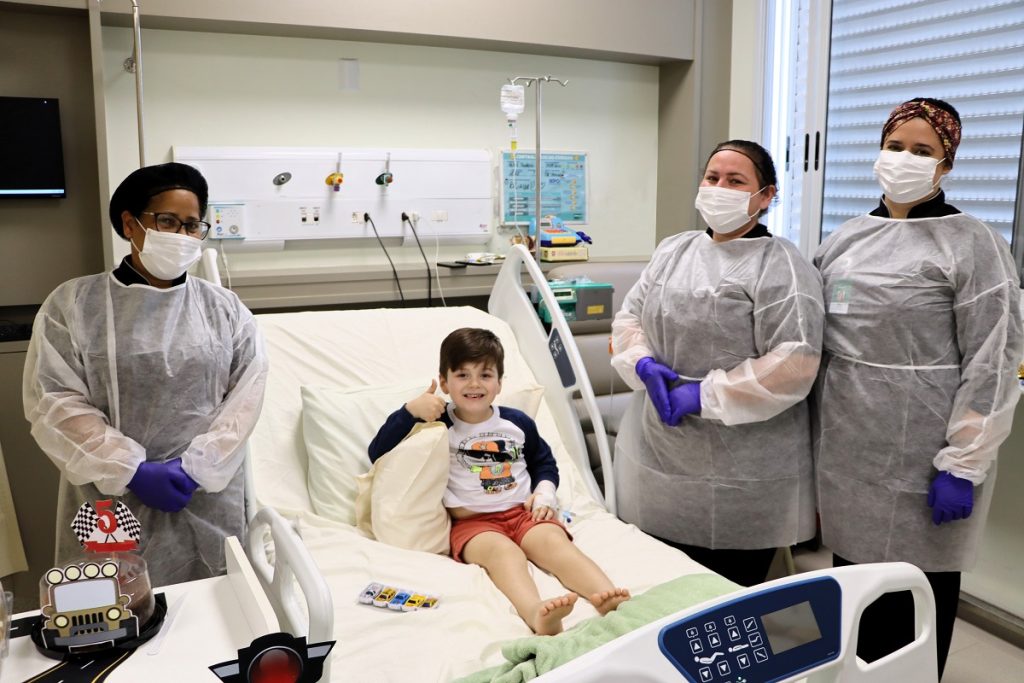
(473, 619)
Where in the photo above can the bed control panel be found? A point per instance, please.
(760, 637)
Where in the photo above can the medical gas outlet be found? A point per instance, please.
(335, 180)
(228, 221)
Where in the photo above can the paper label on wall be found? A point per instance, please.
(563, 186)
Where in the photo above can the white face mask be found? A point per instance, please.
(166, 255)
(723, 209)
(905, 177)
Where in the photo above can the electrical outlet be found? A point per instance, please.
(439, 216)
(414, 215)
(357, 216)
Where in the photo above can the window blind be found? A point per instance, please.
(967, 52)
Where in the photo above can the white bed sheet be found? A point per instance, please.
(473, 619)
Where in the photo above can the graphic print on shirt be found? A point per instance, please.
(490, 455)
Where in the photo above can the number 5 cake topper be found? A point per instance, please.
(102, 529)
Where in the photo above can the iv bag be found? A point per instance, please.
(513, 100)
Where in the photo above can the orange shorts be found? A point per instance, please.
(513, 523)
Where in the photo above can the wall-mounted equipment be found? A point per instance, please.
(335, 179)
(386, 178)
(453, 190)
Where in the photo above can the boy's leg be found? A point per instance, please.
(505, 563)
(548, 547)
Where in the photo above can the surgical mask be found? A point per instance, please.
(723, 209)
(166, 255)
(905, 177)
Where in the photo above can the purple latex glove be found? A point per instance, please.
(162, 485)
(180, 478)
(950, 498)
(683, 400)
(656, 377)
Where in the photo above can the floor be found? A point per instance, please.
(975, 655)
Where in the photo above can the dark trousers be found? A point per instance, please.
(888, 623)
(745, 567)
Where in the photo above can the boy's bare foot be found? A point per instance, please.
(548, 620)
(605, 601)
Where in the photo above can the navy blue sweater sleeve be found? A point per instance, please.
(396, 428)
(540, 461)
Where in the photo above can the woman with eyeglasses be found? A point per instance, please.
(918, 381)
(145, 382)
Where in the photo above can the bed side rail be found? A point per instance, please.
(293, 567)
(555, 360)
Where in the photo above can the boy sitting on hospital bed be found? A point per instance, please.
(496, 459)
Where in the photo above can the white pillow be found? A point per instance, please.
(339, 424)
(399, 501)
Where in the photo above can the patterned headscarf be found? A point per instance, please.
(944, 123)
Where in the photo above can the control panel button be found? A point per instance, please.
(734, 633)
(710, 626)
(730, 620)
(714, 640)
(755, 639)
(696, 647)
(743, 660)
(705, 674)
(750, 624)
(760, 655)
(692, 632)
(723, 668)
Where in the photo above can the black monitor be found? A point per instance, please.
(31, 155)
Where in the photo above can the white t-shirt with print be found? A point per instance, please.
(487, 466)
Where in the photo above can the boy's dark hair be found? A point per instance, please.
(472, 345)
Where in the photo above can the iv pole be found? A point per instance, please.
(538, 81)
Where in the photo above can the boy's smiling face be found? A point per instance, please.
(473, 388)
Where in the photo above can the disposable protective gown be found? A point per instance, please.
(922, 341)
(744, 318)
(119, 374)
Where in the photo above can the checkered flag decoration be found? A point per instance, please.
(100, 529)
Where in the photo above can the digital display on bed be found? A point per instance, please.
(762, 636)
(791, 627)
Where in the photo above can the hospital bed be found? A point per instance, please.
(364, 349)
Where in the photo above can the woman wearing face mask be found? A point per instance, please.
(145, 382)
(917, 389)
(723, 331)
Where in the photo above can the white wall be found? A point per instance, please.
(227, 89)
(746, 70)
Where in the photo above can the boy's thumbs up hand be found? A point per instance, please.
(427, 406)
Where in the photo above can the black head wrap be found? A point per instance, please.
(135, 191)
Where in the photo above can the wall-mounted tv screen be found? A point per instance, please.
(31, 156)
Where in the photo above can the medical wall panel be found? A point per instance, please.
(261, 194)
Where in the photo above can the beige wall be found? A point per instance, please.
(45, 241)
(692, 117)
(746, 72)
(222, 89)
(641, 30)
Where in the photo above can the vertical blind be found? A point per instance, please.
(967, 52)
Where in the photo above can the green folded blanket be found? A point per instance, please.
(536, 655)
